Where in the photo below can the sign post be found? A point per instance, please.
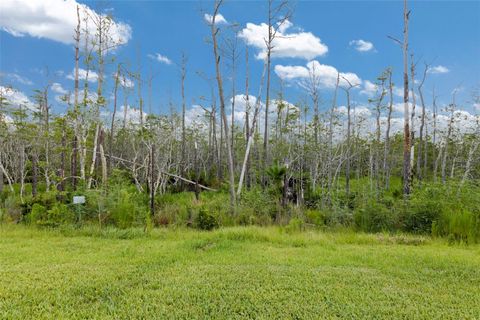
(78, 201)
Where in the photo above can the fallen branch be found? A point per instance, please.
(168, 174)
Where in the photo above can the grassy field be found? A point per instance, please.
(234, 273)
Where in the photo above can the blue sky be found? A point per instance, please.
(445, 34)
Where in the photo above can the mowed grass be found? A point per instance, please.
(233, 273)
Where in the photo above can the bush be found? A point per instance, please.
(205, 221)
(374, 217)
(126, 208)
(424, 208)
(295, 225)
(12, 210)
(59, 214)
(315, 217)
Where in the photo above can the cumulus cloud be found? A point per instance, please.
(362, 45)
(57, 88)
(438, 69)
(300, 44)
(160, 58)
(219, 19)
(369, 88)
(128, 113)
(82, 75)
(16, 98)
(196, 114)
(325, 75)
(476, 106)
(54, 20)
(17, 78)
(358, 111)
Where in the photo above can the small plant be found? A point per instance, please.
(206, 221)
(295, 225)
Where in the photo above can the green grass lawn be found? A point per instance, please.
(232, 273)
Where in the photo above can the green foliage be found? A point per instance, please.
(59, 214)
(12, 210)
(295, 225)
(126, 208)
(374, 216)
(205, 221)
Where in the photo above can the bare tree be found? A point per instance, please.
(406, 125)
(422, 124)
(349, 133)
(214, 32)
(277, 16)
(386, 165)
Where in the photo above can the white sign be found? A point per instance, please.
(78, 199)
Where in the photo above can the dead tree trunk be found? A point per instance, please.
(422, 126)
(406, 128)
(214, 31)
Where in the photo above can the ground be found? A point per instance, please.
(234, 273)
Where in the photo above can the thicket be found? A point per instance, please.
(443, 210)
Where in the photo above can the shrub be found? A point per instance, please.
(126, 208)
(424, 208)
(206, 221)
(374, 217)
(295, 225)
(38, 214)
(339, 216)
(59, 214)
(12, 210)
(316, 217)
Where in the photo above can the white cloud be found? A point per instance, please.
(300, 44)
(17, 78)
(291, 72)
(160, 58)
(362, 45)
(53, 19)
(476, 106)
(325, 75)
(438, 69)
(128, 113)
(195, 114)
(219, 19)
(82, 75)
(359, 111)
(16, 98)
(369, 88)
(57, 88)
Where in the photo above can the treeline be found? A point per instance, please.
(283, 163)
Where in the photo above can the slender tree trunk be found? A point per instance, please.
(251, 133)
(34, 175)
(61, 185)
(447, 141)
(73, 166)
(347, 168)
(214, 31)
(112, 125)
(184, 136)
(247, 121)
(406, 128)
(422, 126)
(330, 139)
(386, 165)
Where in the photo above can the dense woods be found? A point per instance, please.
(312, 163)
